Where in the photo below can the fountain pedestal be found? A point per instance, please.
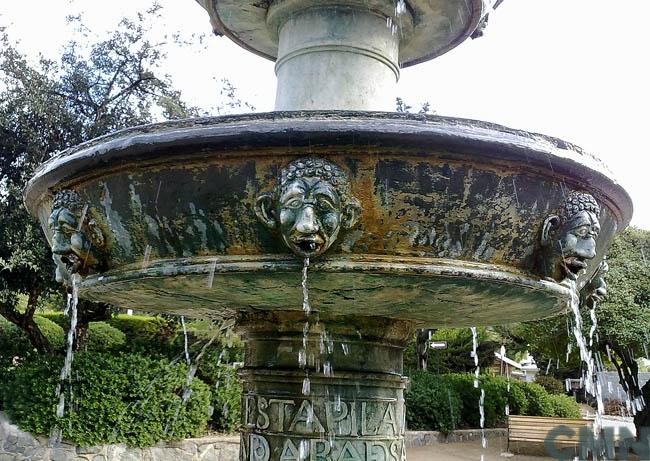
(345, 402)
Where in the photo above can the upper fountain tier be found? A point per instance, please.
(344, 54)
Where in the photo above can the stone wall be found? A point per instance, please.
(16, 445)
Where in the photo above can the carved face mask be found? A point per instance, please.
(309, 212)
(68, 241)
(577, 240)
(308, 208)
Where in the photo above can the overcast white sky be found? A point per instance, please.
(575, 69)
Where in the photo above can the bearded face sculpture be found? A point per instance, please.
(309, 206)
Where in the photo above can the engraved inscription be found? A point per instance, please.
(319, 429)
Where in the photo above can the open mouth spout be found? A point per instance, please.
(311, 245)
(574, 265)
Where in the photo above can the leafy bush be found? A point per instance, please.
(52, 332)
(432, 404)
(14, 342)
(565, 406)
(226, 400)
(496, 398)
(57, 317)
(103, 337)
(215, 368)
(124, 398)
(146, 333)
(539, 401)
(551, 384)
(425, 399)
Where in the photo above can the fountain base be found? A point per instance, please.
(344, 400)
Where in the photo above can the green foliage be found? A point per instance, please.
(97, 86)
(564, 406)
(57, 317)
(444, 402)
(126, 398)
(103, 337)
(455, 358)
(226, 400)
(624, 316)
(496, 398)
(539, 401)
(146, 333)
(432, 404)
(551, 384)
(15, 343)
(53, 332)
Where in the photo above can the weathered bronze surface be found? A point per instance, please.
(449, 233)
(416, 222)
(78, 241)
(310, 204)
(354, 406)
(569, 237)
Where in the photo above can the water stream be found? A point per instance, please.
(481, 400)
(66, 370)
(302, 353)
(590, 379)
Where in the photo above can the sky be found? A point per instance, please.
(574, 69)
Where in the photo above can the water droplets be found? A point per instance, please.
(305, 289)
(477, 371)
(592, 362)
(66, 370)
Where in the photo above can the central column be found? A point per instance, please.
(336, 57)
(335, 392)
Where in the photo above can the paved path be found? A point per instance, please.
(466, 451)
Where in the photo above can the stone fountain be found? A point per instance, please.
(397, 221)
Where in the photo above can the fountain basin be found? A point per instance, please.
(448, 235)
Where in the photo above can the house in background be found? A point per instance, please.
(526, 370)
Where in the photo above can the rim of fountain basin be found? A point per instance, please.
(173, 141)
(246, 25)
(111, 285)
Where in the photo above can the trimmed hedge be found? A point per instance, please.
(102, 337)
(14, 342)
(432, 410)
(146, 334)
(125, 398)
(432, 404)
(551, 384)
(565, 406)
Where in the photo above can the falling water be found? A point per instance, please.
(503, 356)
(302, 353)
(400, 7)
(66, 370)
(305, 290)
(592, 384)
(191, 372)
(185, 342)
(481, 401)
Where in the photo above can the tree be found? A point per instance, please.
(402, 107)
(456, 357)
(624, 317)
(46, 107)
